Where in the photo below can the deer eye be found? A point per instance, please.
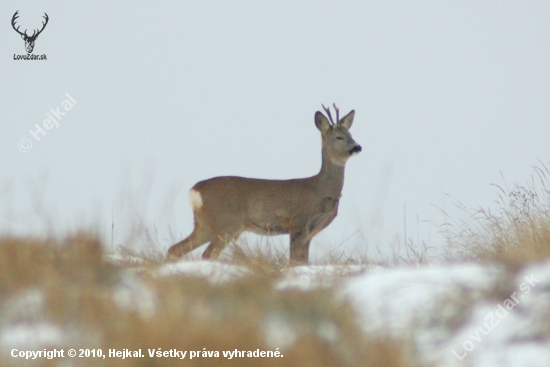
(339, 138)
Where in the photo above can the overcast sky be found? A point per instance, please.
(448, 95)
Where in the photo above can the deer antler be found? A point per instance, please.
(43, 26)
(327, 110)
(337, 113)
(15, 16)
(34, 33)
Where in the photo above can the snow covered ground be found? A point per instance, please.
(464, 314)
(468, 314)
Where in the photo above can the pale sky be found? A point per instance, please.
(448, 95)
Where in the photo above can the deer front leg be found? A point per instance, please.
(299, 247)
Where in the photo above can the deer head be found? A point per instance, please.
(338, 145)
(29, 40)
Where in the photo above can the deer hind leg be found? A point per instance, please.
(199, 237)
(217, 245)
(299, 247)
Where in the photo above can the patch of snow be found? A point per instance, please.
(460, 314)
(396, 298)
(133, 295)
(540, 275)
(307, 277)
(216, 272)
(532, 354)
(25, 306)
(281, 330)
(31, 336)
(121, 258)
(328, 331)
(278, 332)
(489, 328)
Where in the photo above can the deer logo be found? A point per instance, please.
(29, 40)
(224, 207)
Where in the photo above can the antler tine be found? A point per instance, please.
(43, 24)
(327, 110)
(13, 19)
(337, 113)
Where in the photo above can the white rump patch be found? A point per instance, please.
(196, 199)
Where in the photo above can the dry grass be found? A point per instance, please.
(518, 232)
(263, 260)
(98, 304)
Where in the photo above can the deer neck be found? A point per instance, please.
(331, 177)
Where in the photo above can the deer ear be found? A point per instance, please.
(321, 122)
(23, 36)
(347, 120)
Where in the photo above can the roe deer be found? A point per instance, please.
(224, 207)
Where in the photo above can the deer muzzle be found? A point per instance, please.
(355, 150)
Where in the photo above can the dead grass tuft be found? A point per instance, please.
(518, 232)
(263, 260)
